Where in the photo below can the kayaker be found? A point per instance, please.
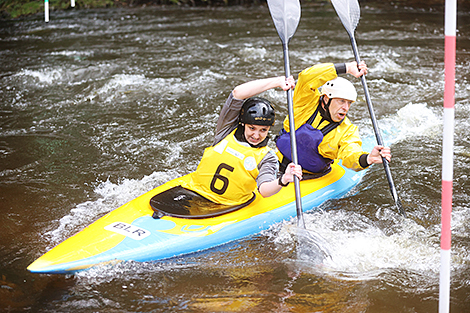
(239, 159)
(324, 132)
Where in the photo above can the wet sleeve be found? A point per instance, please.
(363, 160)
(350, 150)
(268, 168)
(340, 68)
(306, 93)
(228, 118)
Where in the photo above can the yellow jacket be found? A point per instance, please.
(344, 141)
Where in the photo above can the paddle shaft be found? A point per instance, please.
(377, 132)
(286, 16)
(290, 107)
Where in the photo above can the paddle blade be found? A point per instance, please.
(349, 13)
(286, 17)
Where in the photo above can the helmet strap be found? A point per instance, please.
(325, 109)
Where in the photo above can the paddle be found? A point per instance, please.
(286, 16)
(349, 14)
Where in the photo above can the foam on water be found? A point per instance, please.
(412, 120)
(120, 85)
(353, 247)
(45, 76)
(53, 76)
(117, 86)
(322, 55)
(386, 64)
(358, 246)
(252, 53)
(109, 197)
(128, 271)
(73, 53)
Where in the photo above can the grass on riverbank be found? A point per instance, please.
(16, 8)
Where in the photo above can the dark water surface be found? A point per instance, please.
(99, 106)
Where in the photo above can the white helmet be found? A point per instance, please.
(339, 88)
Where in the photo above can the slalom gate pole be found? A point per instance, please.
(447, 153)
(46, 11)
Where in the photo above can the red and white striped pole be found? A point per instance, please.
(447, 153)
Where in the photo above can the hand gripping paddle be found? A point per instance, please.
(349, 13)
(286, 16)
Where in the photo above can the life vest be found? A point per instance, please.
(227, 172)
(308, 138)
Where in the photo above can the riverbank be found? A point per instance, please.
(11, 9)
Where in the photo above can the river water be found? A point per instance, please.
(100, 106)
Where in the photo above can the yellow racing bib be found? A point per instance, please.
(227, 172)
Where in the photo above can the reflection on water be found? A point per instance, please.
(100, 106)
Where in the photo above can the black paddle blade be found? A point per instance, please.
(286, 17)
(349, 13)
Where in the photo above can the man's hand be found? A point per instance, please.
(356, 71)
(375, 156)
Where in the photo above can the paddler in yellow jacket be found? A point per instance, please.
(239, 160)
(324, 132)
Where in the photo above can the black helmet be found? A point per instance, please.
(257, 111)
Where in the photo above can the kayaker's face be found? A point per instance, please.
(255, 134)
(338, 108)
